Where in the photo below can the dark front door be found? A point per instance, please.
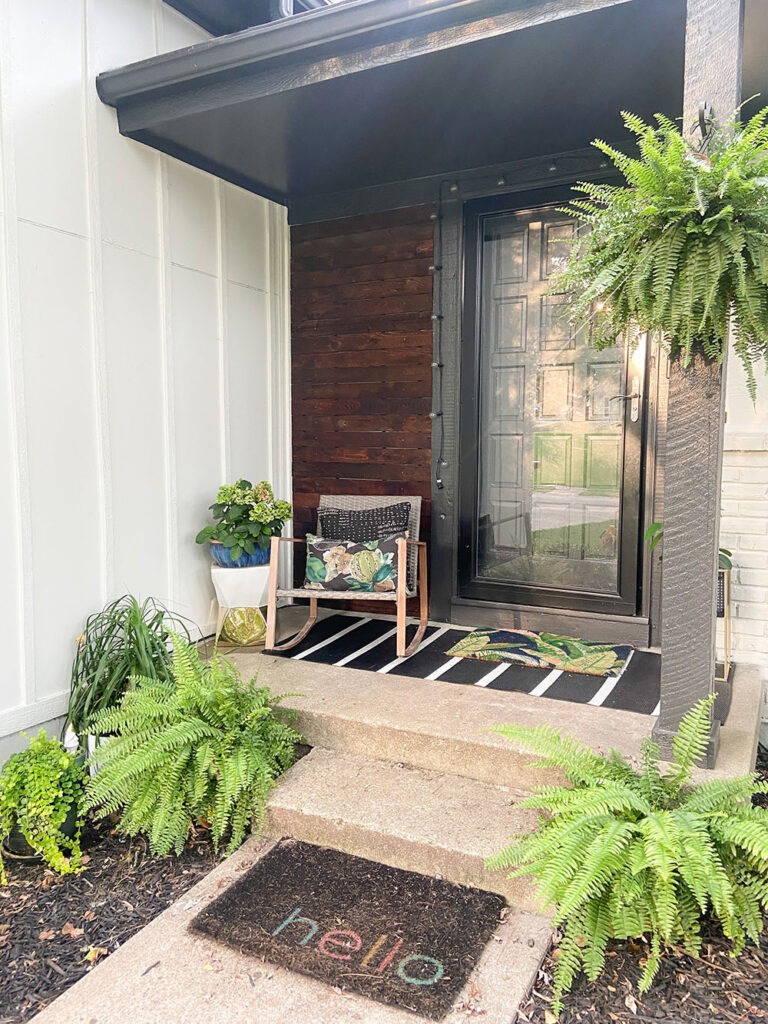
(552, 428)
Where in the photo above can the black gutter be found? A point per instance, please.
(222, 17)
(332, 31)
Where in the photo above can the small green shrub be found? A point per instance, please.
(125, 638)
(201, 747)
(39, 787)
(626, 852)
(246, 517)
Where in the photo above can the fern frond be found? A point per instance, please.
(678, 250)
(620, 853)
(203, 746)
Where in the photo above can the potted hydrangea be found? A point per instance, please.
(247, 517)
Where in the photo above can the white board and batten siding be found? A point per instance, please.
(143, 346)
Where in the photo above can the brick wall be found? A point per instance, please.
(744, 530)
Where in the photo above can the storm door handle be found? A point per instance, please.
(635, 396)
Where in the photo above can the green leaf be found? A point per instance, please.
(623, 851)
(316, 570)
(201, 746)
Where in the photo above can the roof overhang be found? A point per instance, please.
(221, 17)
(378, 91)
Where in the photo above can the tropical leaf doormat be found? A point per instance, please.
(543, 650)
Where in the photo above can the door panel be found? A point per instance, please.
(551, 455)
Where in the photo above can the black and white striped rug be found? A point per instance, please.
(369, 643)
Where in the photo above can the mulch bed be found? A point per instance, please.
(394, 936)
(53, 929)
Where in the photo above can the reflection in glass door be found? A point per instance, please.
(551, 479)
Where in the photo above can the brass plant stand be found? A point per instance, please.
(724, 613)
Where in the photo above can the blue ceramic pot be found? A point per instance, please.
(221, 556)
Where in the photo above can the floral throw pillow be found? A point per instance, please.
(368, 566)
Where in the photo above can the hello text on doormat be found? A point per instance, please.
(391, 935)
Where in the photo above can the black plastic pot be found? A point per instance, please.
(17, 847)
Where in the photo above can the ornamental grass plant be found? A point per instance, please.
(126, 638)
(202, 747)
(624, 852)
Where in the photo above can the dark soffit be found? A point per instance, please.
(243, 108)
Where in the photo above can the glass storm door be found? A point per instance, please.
(552, 429)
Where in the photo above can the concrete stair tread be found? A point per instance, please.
(434, 725)
(407, 817)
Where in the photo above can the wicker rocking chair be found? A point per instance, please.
(411, 575)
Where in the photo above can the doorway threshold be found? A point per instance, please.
(599, 626)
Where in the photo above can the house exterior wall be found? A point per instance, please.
(143, 341)
(744, 522)
(361, 307)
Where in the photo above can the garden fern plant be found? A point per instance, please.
(624, 852)
(201, 747)
(680, 249)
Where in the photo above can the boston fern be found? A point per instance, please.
(681, 249)
(625, 852)
(202, 747)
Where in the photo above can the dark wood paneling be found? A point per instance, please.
(361, 307)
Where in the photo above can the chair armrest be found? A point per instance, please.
(290, 540)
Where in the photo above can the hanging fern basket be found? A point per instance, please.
(681, 249)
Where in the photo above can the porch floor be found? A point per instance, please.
(440, 726)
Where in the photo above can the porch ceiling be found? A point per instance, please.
(381, 91)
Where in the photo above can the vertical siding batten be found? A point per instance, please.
(18, 615)
(93, 210)
(280, 371)
(171, 502)
(221, 267)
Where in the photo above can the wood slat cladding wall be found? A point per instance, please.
(361, 307)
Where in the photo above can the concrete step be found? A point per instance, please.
(429, 822)
(432, 724)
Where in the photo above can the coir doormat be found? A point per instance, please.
(394, 936)
(543, 650)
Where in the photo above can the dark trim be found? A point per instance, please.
(521, 178)
(475, 182)
(192, 11)
(629, 564)
(523, 181)
(195, 159)
(222, 17)
(333, 32)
